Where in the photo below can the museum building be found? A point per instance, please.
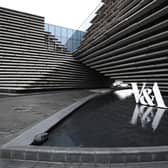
(33, 59)
(126, 41)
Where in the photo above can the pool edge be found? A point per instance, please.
(20, 149)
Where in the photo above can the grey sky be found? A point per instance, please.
(67, 13)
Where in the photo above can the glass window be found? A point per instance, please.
(64, 32)
(51, 29)
(58, 31)
(70, 32)
(78, 35)
(69, 45)
(73, 34)
(46, 27)
(69, 37)
(64, 40)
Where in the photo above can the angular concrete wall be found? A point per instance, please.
(31, 59)
(128, 41)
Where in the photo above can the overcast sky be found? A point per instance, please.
(67, 13)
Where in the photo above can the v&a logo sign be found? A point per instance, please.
(148, 96)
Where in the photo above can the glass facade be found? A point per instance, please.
(70, 38)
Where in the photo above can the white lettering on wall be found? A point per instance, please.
(148, 96)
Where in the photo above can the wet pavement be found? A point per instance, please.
(20, 112)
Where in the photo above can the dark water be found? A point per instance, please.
(112, 121)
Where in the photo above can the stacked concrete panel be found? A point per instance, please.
(32, 59)
(128, 41)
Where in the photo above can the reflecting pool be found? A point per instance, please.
(112, 120)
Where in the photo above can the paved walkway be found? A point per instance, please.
(30, 164)
(18, 113)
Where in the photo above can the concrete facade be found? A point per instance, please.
(128, 41)
(32, 59)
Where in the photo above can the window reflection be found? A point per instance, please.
(70, 38)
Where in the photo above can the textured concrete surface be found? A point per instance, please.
(43, 126)
(18, 113)
(30, 164)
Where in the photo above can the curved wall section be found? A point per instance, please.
(128, 40)
(32, 59)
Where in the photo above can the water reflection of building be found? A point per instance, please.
(70, 38)
(148, 116)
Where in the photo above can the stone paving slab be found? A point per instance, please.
(86, 155)
(31, 164)
(27, 137)
(18, 113)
